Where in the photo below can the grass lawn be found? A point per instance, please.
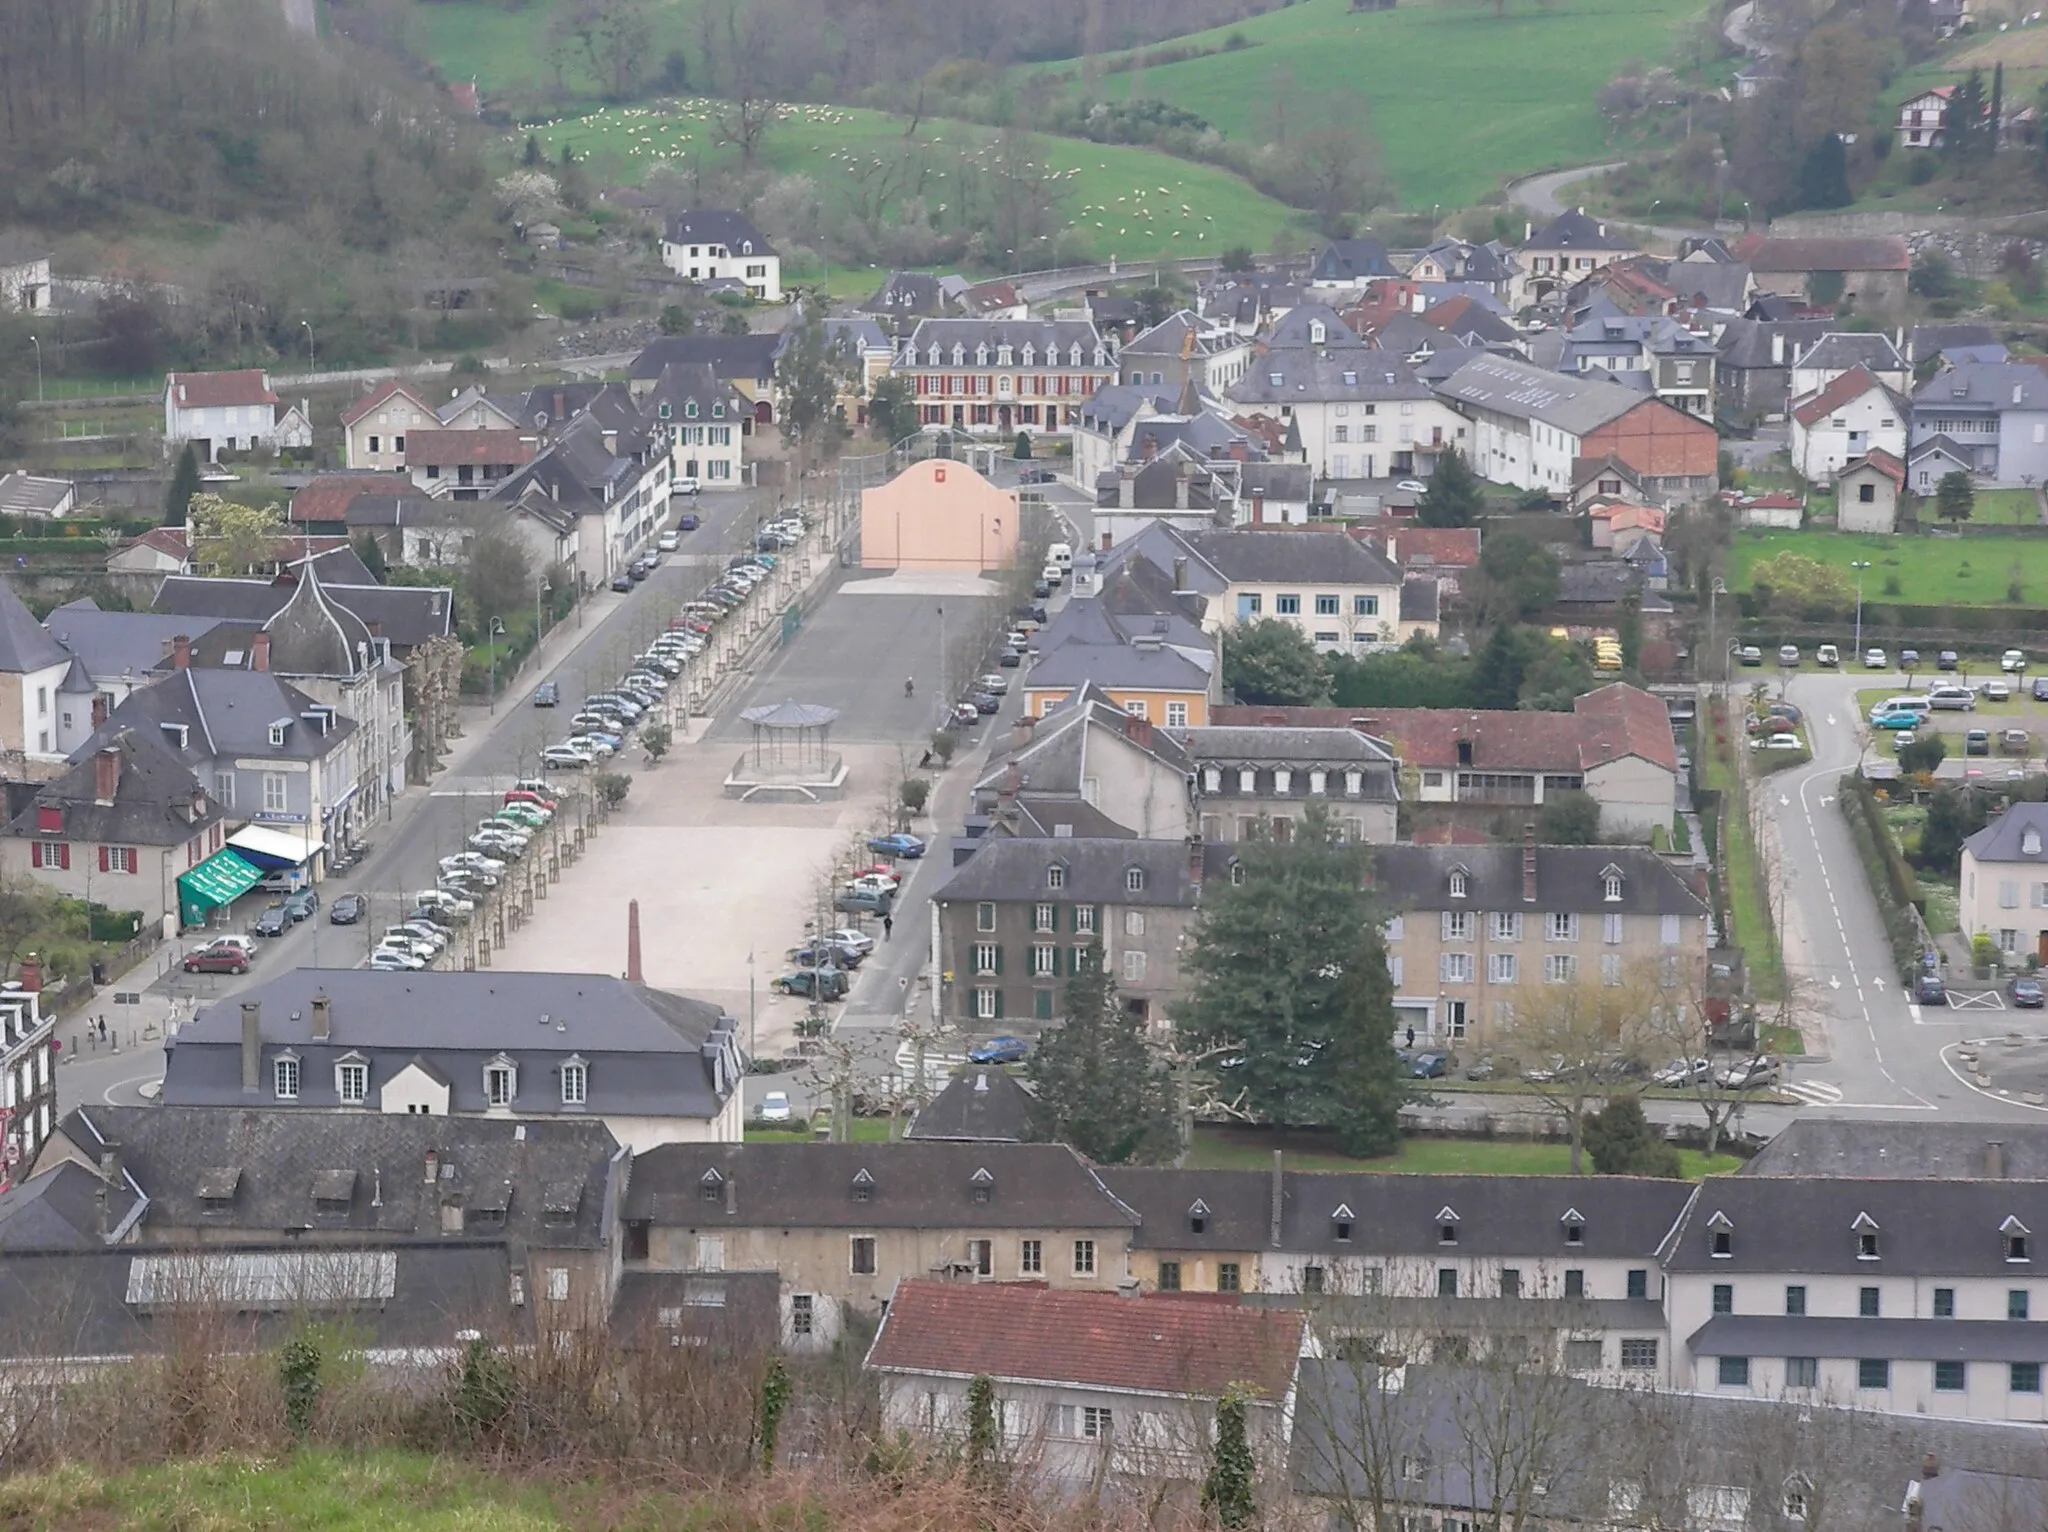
(1458, 98)
(866, 1130)
(2006, 508)
(1164, 206)
(1221, 1148)
(1748, 910)
(1922, 571)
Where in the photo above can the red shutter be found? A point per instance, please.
(64, 855)
(103, 859)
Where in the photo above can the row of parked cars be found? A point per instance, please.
(2013, 662)
(465, 879)
(823, 968)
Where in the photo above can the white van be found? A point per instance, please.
(1052, 574)
(1060, 554)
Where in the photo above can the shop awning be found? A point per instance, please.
(273, 849)
(221, 879)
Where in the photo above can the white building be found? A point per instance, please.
(717, 245)
(220, 411)
(24, 275)
(1528, 424)
(1362, 412)
(1854, 415)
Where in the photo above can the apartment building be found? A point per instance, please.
(997, 377)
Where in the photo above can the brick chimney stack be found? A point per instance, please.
(323, 1016)
(633, 974)
(1528, 864)
(106, 773)
(259, 652)
(181, 652)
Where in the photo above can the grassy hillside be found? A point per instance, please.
(1125, 202)
(1459, 98)
(506, 47)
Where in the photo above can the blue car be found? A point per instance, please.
(1427, 1066)
(906, 846)
(999, 1050)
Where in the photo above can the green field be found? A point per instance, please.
(1252, 1149)
(505, 47)
(1458, 98)
(2006, 508)
(1169, 206)
(1930, 571)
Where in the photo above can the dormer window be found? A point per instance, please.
(1459, 883)
(982, 1185)
(575, 1080)
(1198, 1217)
(690, 409)
(1101, 357)
(1273, 378)
(2030, 841)
(981, 356)
(711, 1187)
(1030, 354)
(352, 1079)
(1055, 876)
(1002, 356)
(2014, 1233)
(1610, 886)
(1574, 1227)
(1720, 1237)
(959, 354)
(1134, 880)
(1446, 1226)
(1340, 1224)
(718, 409)
(277, 734)
(1865, 1230)
(863, 1185)
(501, 1082)
(932, 356)
(664, 410)
(1074, 355)
(1318, 332)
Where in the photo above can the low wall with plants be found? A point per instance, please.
(1892, 882)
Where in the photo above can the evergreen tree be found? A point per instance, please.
(1964, 138)
(1824, 174)
(184, 485)
(1497, 680)
(1569, 819)
(1994, 122)
(1227, 1491)
(371, 552)
(1455, 496)
(1621, 1142)
(1289, 968)
(1272, 662)
(1954, 499)
(1106, 1095)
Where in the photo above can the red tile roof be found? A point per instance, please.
(1853, 384)
(362, 404)
(169, 541)
(328, 496)
(468, 447)
(1610, 724)
(1619, 516)
(1881, 252)
(1162, 1345)
(1882, 461)
(1415, 546)
(205, 390)
(1777, 500)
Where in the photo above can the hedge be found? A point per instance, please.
(1891, 881)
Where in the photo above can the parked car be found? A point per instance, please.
(2015, 741)
(1001, 1049)
(1775, 742)
(1750, 1073)
(1929, 990)
(984, 702)
(687, 522)
(1873, 659)
(1909, 659)
(566, 756)
(853, 902)
(1997, 691)
(2013, 661)
(1827, 655)
(907, 846)
(1749, 654)
(997, 682)
(1899, 718)
(851, 940)
(775, 1106)
(302, 905)
(1947, 659)
(547, 694)
(2040, 688)
(272, 921)
(1010, 659)
(347, 910)
(871, 883)
(1426, 1066)
(825, 955)
(684, 484)
(622, 581)
(823, 984)
(965, 715)
(2026, 993)
(1958, 699)
(1684, 1073)
(1977, 742)
(217, 959)
(1904, 738)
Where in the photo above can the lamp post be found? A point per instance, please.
(1713, 605)
(37, 343)
(1859, 565)
(497, 626)
(540, 596)
(307, 326)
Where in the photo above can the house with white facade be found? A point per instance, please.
(40, 721)
(718, 245)
(220, 411)
(1816, 366)
(1528, 424)
(1184, 349)
(1855, 414)
(374, 425)
(1923, 119)
(1568, 249)
(1362, 412)
(1994, 415)
(24, 274)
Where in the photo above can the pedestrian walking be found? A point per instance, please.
(888, 926)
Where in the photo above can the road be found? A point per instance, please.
(1885, 1055)
(1542, 195)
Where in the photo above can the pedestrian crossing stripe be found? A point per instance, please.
(1815, 1092)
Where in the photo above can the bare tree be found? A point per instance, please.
(1578, 1028)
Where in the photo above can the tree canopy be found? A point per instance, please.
(1455, 496)
(1106, 1094)
(1270, 661)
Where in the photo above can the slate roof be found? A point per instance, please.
(361, 1172)
(1241, 746)
(225, 713)
(983, 1104)
(1119, 665)
(1293, 483)
(1115, 405)
(1901, 1340)
(28, 494)
(1235, 1207)
(907, 293)
(1710, 284)
(1314, 558)
(1926, 340)
(153, 798)
(62, 1208)
(21, 250)
(650, 1053)
(1623, 1218)
(1574, 405)
(1053, 761)
(1349, 260)
(1466, 262)
(1293, 329)
(1176, 1346)
(2006, 838)
(1308, 375)
(1473, 322)
(1568, 878)
(408, 615)
(1017, 333)
(1925, 1228)
(1015, 869)
(1939, 1149)
(1181, 328)
(311, 635)
(1843, 349)
(1977, 386)
(25, 646)
(121, 644)
(1574, 230)
(718, 226)
(1421, 600)
(729, 356)
(205, 390)
(1746, 343)
(910, 1184)
(1844, 388)
(1066, 818)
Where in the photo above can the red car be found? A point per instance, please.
(521, 795)
(217, 960)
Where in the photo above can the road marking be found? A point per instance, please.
(1813, 1092)
(1968, 1084)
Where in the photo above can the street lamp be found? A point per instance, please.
(37, 343)
(540, 595)
(491, 633)
(307, 326)
(1859, 565)
(1714, 594)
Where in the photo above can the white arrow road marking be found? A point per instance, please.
(1834, 983)
(1784, 802)
(1827, 800)
(1878, 982)
(1831, 720)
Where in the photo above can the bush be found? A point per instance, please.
(611, 788)
(1891, 881)
(914, 792)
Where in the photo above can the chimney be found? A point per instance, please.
(1528, 232)
(561, 407)
(1930, 1466)
(1011, 780)
(110, 1162)
(252, 1044)
(1022, 730)
(1277, 1200)
(32, 974)
(1195, 864)
(1137, 730)
(106, 773)
(181, 652)
(433, 1167)
(1778, 348)
(633, 974)
(1994, 1161)
(1528, 864)
(323, 1016)
(1603, 231)
(1258, 506)
(1180, 575)
(259, 652)
(99, 709)
(1180, 490)
(732, 1196)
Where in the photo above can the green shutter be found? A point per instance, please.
(999, 1002)
(1042, 1004)
(1056, 920)
(999, 960)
